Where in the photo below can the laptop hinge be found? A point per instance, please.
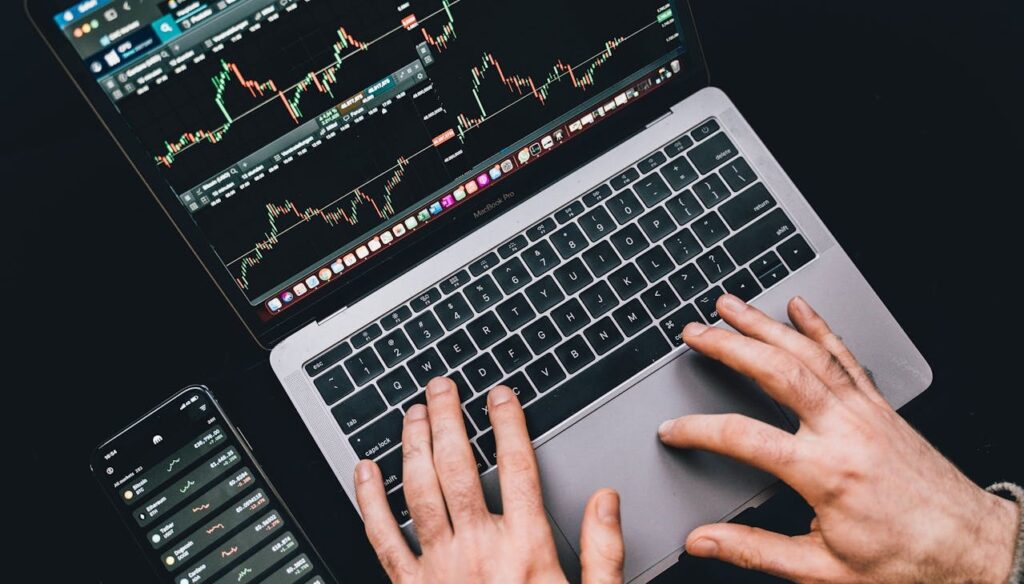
(658, 119)
(339, 312)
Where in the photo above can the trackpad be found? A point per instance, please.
(665, 493)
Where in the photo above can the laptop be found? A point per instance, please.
(540, 194)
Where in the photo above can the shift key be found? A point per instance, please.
(359, 409)
(759, 236)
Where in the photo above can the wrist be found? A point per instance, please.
(994, 541)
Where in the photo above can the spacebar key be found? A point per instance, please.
(588, 385)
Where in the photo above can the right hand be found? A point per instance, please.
(889, 507)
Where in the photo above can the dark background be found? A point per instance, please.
(900, 122)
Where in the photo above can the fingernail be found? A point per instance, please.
(364, 471)
(417, 412)
(732, 303)
(804, 308)
(665, 428)
(500, 395)
(439, 385)
(608, 508)
(702, 547)
(694, 329)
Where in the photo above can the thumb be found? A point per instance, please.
(601, 548)
(792, 558)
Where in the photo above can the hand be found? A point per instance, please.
(461, 540)
(889, 507)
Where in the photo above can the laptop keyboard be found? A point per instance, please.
(572, 307)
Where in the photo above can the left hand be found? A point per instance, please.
(461, 540)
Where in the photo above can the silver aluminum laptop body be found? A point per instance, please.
(613, 442)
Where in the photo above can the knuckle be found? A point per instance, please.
(414, 449)
(517, 461)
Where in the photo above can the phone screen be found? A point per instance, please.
(200, 507)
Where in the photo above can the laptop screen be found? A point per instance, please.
(308, 138)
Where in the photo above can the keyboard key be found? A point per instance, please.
(574, 354)
(542, 229)
(598, 299)
(455, 281)
(399, 509)
(759, 236)
(512, 354)
(483, 294)
(652, 162)
(364, 367)
(632, 318)
(625, 207)
(684, 208)
(773, 276)
(657, 224)
(570, 317)
(486, 330)
(679, 146)
(540, 258)
(603, 335)
(573, 276)
(738, 175)
(515, 312)
(456, 349)
(601, 259)
(597, 223)
(545, 373)
(333, 385)
(765, 263)
(425, 300)
(391, 468)
(522, 387)
(453, 311)
(483, 264)
(328, 358)
(683, 246)
(627, 281)
(622, 180)
(796, 252)
(585, 387)
(747, 206)
(704, 130)
(673, 326)
(710, 229)
(705, 303)
(712, 153)
(396, 317)
(652, 190)
(541, 335)
(629, 241)
(660, 299)
(711, 190)
(357, 410)
(597, 195)
(512, 276)
(477, 410)
(465, 391)
(511, 248)
(569, 240)
(688, 282)
(679, 173)
(366, 336)
(423, 330)
(426, 366)
(743, 285)
(482, 373)
(394, 348)
(544, 294)
(716, 264)
(655, 264)
(396, 386)
(570, 212)
(481, 462)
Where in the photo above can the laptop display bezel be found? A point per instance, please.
(442, 233)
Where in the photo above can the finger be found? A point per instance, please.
(745, 439)
(779, 373)
(757, 325)
(602, 550)
(381, 528)
(811, 324)
(422, 492)
(793, 558)
(517, 464)
(453, 456)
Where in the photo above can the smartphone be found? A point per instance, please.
(186, 484)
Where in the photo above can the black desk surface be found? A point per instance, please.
(900, 121)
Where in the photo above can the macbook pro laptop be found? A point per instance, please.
(533, 193)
